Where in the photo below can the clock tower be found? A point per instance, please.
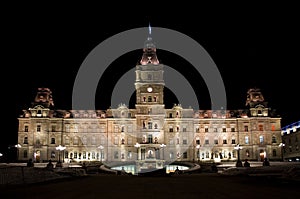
(150, 115)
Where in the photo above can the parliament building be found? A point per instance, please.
(149, 133)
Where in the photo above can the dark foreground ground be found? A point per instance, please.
(202, 185)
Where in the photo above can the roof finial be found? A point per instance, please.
(149, 29)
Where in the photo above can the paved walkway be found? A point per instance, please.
(203, 185)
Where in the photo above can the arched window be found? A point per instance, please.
(274, 139)
(25, 140)
(261, 139)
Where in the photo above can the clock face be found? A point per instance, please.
(149, 89)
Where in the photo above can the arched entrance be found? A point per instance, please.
(37, 156)
(262, 155)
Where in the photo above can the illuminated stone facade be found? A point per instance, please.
(148, 132)
(291, 142)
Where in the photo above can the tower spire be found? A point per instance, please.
(149, 55)
(150, 29)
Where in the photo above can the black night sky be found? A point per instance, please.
(45, 48)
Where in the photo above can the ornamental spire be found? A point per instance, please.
(149, 55)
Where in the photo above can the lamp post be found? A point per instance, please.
(163, 152)
(18, 146)
(198, 152)
(59, 149)
(281, 145)
(137, 146)
(239, 162)
(101, 152)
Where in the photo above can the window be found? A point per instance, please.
(261, 139)
(52, 140)
(76, 141)
(206, 141)
(207, 155)
(53, 128)
(246, 128)
(224, 130)
(25, 140)
(216, 141)
(150, 138)
(75, 154)
(93, 155)
(129, 155)
(129, 140)
(26, 128)
(224, 141)
(122, 141)
(273, 127)
(116, 141)
(246, 139)
(149, 125)
(184, 155)
(122, 129)
(274, 139)
(170, 115)
(25, 154)
(38, 128)
(116, 129)
(206, 130)
(93, 140)
(67, 128)
(215, 130)
(149, 99)
(171, 155)
(84, 140)
(198, 141)
(260, 127)
(76, 128)
(67, 140)
(116, 155)
(184, 129)
(184, 141)
(232, 129)
(66, 154)
(170, 129)
(233, 141)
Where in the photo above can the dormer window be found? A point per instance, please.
(39, 113)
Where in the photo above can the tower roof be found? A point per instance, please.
(149, 51)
